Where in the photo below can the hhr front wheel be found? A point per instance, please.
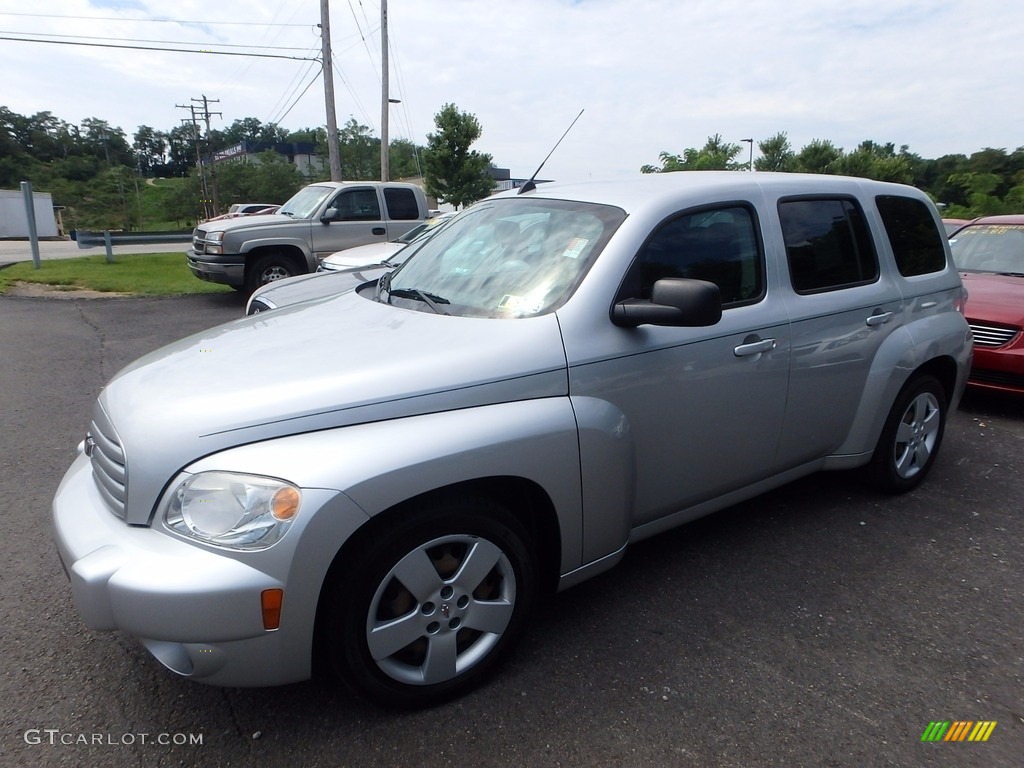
(425, 611)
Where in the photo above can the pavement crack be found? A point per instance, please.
(101, 339)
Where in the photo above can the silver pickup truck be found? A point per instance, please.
(403, 467)
(250, 251)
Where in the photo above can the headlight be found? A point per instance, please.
(233, 510)
(215, 237)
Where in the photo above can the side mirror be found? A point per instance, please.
(331, 214)
(674, 302)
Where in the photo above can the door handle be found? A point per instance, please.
(379, 231)
(879, 319)
(754, 348)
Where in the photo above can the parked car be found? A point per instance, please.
(347, 269)
(990, 255)
(245, 209)
(318, 220)
(952, 225)
(381, 483)
(377, 253)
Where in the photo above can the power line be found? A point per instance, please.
(153, 48)
(159, 21)
(142, 40)
(297, 99)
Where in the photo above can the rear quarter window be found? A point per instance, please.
(401, 204)
(828, 245)
(913, 235)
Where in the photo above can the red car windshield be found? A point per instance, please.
(997, 248)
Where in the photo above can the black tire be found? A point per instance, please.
(267, 269)
(475, 582)
(911, 437)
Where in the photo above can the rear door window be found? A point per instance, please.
(828, 245)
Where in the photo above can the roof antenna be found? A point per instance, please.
(530, 185)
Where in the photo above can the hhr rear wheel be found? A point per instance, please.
(911, 437)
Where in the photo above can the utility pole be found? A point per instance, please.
(385, 169)
(208, 188)
(328, 71)
(209, 150)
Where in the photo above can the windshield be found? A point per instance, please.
(306, 201)
(505, 258)
(989, 248)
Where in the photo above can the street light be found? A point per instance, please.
(750, 167)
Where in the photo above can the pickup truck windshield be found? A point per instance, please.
(506, 258)
(306, 201)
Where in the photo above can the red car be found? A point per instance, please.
(990, 255)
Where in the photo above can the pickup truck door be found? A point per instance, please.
(702, 407)
(359, 221)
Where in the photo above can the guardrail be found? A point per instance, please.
(86, 239)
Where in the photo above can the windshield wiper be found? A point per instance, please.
(429, 299)
(432, 301)
(383, 285)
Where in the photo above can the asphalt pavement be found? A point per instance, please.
(819, 625)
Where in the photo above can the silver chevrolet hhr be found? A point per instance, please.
(380, 482)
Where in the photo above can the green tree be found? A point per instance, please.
(716, 155)
(875, 161)
(248, 129)
(452, 172)
(360, 152)
(150, 147)
(817, 157)
(100, 139)
(776, 154)
(269, 178)
(404, 159)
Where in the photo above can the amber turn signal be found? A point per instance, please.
(285, 503)
(271, 600)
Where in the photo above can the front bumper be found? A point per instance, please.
(1000, 369)
(226, 272)
(196, 610)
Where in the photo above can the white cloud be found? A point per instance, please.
(653, 75)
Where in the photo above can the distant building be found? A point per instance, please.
(300, 154)
(504, 181)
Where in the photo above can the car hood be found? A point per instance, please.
(328, 363)
(361, 255)
(316, 285)
(248, 222)
(994, 298)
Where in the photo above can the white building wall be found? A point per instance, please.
(14, 222)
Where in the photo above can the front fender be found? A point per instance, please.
(297, 243)
(378, 465)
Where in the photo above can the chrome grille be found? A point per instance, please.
(198, 241)
(109, 468)
(991, 336)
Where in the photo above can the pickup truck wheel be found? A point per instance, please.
(267, 269)
(423, 612)
(911, 437)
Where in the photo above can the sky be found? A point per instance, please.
(652, 76)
